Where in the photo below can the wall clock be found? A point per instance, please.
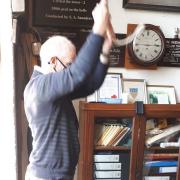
(148, 47)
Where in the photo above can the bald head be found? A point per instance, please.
(56, 46)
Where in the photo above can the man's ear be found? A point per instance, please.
(53, 60)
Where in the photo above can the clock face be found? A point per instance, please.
(148, 46)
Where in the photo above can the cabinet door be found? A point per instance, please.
(108, 140)
(159, 144)
(112, 147)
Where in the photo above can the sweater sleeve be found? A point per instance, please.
(56, 85)
(93, 82)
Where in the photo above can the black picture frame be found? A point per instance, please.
(116, 55)
(155, 5)
(171, 56)
(62, 13)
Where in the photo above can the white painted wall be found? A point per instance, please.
(168, 21)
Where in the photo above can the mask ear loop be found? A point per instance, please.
(122, 42)
(53, 65)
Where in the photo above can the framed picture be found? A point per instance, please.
(117, 54)
(62, 13)
(135, 90)
(158, 5)
(111, 89)
(161, 94)
(171, 57)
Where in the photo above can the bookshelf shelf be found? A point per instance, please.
(131, 157)
(163, 149)
(112, 148)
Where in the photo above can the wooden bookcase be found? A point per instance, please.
(89, 112)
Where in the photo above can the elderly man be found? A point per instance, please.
(48, 96)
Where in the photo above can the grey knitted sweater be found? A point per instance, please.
(51, 115)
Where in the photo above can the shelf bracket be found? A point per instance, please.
(139, 107)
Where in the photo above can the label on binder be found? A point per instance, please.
(157, 178)
(107, 179)
(106, 158)
(107, 166)
(107, 174)
(167, 169)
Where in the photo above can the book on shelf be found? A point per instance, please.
(157, 178)
(160, 170)
(170, 144)
(121, 136)
(175, 137)
(110, 135)
(145, 178)
(161, 156)
(161, 163)
(150, 124)
(173, 130)
(126, 140)
(115, 136)
(99, 130)
(162, 123)
(103, 134)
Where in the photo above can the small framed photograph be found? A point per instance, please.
(111, 89)
(135, 90)
(161, 94)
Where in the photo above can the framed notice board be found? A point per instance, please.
(172, 53)
(117, 54)
(62, 13)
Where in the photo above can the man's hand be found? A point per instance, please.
(109, 39)
(101, 17)
(105, 50)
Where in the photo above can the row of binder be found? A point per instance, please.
(111, 166)
(116, 166)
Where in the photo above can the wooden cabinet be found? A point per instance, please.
(90, 113)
